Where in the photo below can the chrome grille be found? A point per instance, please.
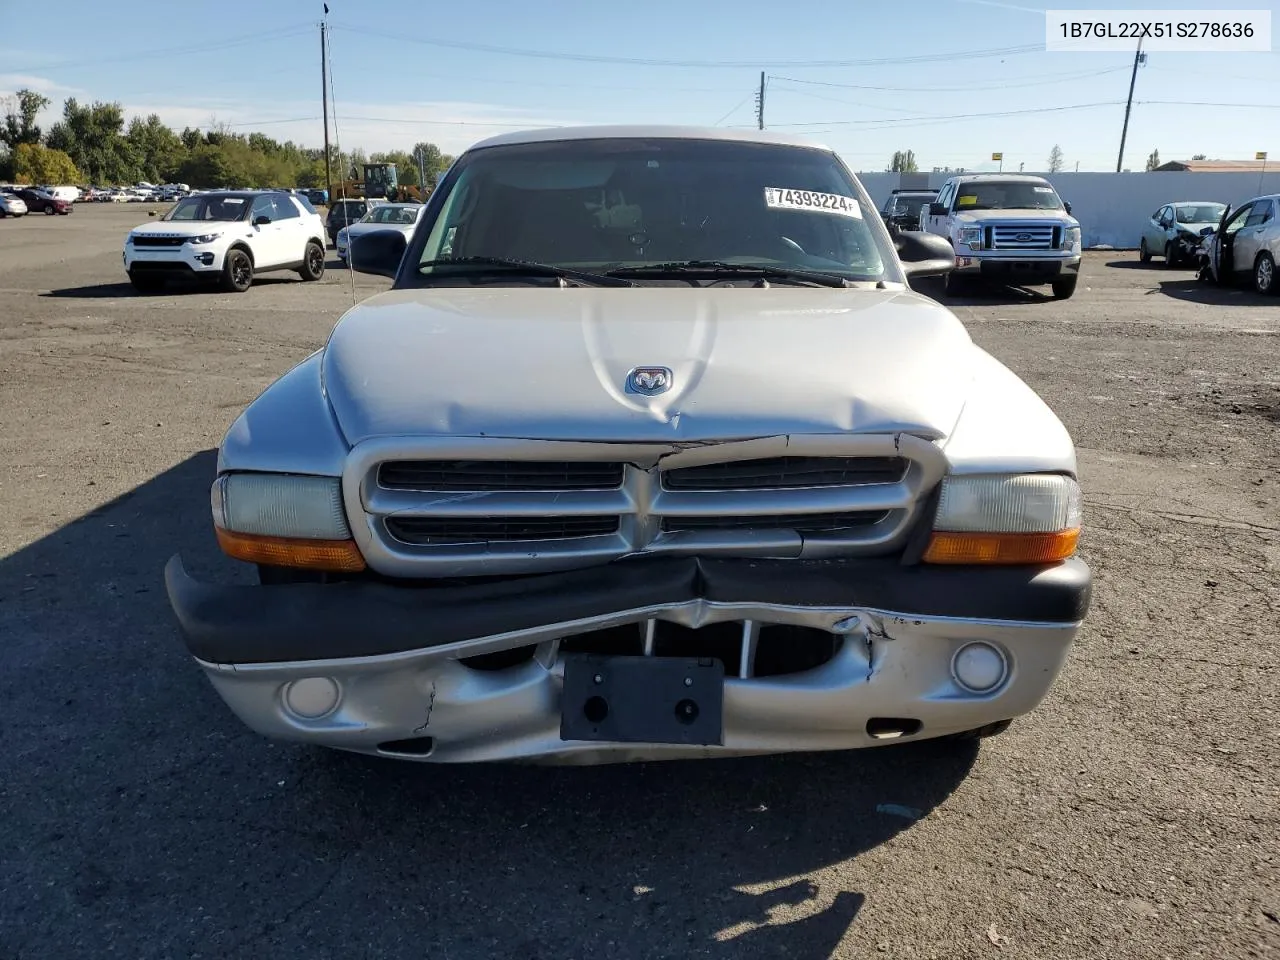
(426, 531)
(482, 506)
(471, 476)
(1013, 236)
(145, 240)
(815, 523)
(783, 473)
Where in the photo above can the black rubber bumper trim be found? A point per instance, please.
(310, 621)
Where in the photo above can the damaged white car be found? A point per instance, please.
(650, 452)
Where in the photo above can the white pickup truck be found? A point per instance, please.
(1009, 228)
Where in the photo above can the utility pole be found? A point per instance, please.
(760, 103)
(1124, 133)
(324, 100)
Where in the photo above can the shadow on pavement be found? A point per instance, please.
(140, 819)
(1198, 291)
(125, 289)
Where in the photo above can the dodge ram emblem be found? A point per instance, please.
(649, 381)
(1023, 237)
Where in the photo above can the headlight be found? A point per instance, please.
(1006, 519)
(1071, 237)
(342, 234)
(203, 238)
(969, 234)
(284, 520)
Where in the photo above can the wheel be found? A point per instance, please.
(312, 262)
(1064, 288)
(48, 210)
(983, 732)
(1264, 275)
(1143, 253)
(953, 285)
(1170, 256)
(237, 271)
(145, 284)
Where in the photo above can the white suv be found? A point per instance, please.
(227, 237)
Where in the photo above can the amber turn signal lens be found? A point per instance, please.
(335, 555)
(1001, 548)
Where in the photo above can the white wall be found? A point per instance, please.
(1112, 207)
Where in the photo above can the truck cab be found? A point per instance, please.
(1007, 228)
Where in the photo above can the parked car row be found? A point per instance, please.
(18, 202)
(1224, 244)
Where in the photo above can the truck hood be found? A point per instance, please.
(552, 363)
(995, 216)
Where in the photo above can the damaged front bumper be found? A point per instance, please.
(817, 655)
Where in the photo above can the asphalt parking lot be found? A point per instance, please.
(1135, 814)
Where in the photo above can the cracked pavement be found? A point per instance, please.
(1135, 814)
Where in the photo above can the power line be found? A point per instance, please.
(703, 64)
(278, 33)
(962, 88)
(956, 116)
(743, 103)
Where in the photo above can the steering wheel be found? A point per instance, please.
(791, 243)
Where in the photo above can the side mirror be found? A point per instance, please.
(1066, 205)
(937, 209)
(261, 219)
(1205, 231)
(925, 254)
(378, 252)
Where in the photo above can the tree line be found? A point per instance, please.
(92, 145)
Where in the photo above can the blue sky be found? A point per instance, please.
(255, 65)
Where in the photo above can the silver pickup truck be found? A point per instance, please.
(650, 452)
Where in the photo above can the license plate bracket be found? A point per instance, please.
(643, 699)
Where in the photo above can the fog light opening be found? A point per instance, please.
(414, 747)
(891, 728)
(312, 697)
(979, 667)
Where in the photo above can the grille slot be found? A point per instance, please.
(1014, 237)
(436, 531)
(477, 476)
(787, 473)
(146, 241)
(804, 524)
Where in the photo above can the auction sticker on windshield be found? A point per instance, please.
(784, 198)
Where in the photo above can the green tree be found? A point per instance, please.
(904, 161)
(159, 150)
(1056, 159)
(35, 163)
(1153, 160)
(1199, 156)
(93, 136)
(19, 124)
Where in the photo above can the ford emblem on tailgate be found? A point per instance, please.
(649, 381)
(1023, 237)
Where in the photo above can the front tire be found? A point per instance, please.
(1264, 276)
(1170, 256)
(312, 262)
(1064, 288)
(48, 210)
(1144, 255)
(237, 271)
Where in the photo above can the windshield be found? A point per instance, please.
(210, 207)
(910, 202)
(1006, 195)
(1200, 212)
(392, 214)
(615, 203)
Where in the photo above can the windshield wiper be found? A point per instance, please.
(532, 267)
(718, 267)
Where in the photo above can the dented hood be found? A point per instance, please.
(552, 363)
